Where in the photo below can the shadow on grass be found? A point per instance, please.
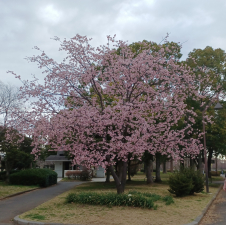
(4, 184)
(134, 184)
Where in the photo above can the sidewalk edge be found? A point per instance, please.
(18, 193)
(18, 221)
(198, 219)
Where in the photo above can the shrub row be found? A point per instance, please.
(135, 199)
(213, 173)
(41, 177)
(167, 199)
(186, 182)
(3, 174)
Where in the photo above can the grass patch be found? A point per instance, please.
(66, 179)
(6, 189)
(35, 217)
(216, 178)
(190, 206)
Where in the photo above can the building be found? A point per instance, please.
(62, 164)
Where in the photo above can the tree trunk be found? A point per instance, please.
(129, 173)
(216, 165)
(191, 162)
(7, 167)
(199, 167)
(120, 181)
(182, 163)
(120, 170)
(164, 166)
(149, 165)
(158, 163)
(171, 165)
(209, 161)
(108, 175)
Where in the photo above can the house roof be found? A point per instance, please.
(57, 158)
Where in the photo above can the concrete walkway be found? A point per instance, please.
(11, 207)
(216, 214)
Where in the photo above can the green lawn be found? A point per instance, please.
(6, 189)
(56, 210)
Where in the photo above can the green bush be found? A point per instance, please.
(3, 174)
(197, 180)
(186, 182)
(41, 177)
(86, 175)
(180, 184)
(133, 198)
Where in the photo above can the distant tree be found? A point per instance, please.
(209, 64)
(17, 155)
(9, 102)
(216, 132)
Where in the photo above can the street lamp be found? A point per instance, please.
(218, 106)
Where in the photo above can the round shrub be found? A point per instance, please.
(180, 184)
(197, 179)
(187, 181)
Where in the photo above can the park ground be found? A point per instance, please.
(7, 190)
(182, 211)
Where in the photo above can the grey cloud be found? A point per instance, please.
(27, 23)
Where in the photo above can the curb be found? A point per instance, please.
(18, 193)
(18, 221)
(198, 219)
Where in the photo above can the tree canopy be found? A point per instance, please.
(108, 103)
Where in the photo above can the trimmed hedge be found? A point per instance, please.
(3, 174)
(41, 177)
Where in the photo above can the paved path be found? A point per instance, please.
(216, 215)
(11, 207)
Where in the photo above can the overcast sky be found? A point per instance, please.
(28, 23)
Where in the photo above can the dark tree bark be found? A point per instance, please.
(149, 169)
(158, 163)
(171, 165)
(108, 175)
(120, 170)
(192, 163)
(182, 164)
(129, 170)
(164, 166)
(120, 181)
(148, 165)
(209, 161)
(216, 165)
(200, 167)
(8, 168)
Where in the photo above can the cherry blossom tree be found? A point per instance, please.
(107, 103)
